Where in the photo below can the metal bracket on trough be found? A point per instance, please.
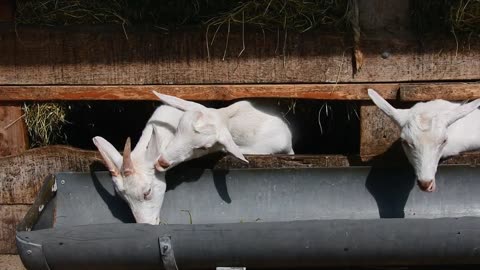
(166, 250)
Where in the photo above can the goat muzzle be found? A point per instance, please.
(162, 164)
(427, 186)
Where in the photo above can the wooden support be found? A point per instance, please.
(11, 262)
(103, 55)
(355, 91)
(196, 92)
(10, 216)
(378, 132)
(450, 91)
(13, 132)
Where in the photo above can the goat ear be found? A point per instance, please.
(225, 138)
(462, 111)
(127, 168)
(110, 155)
(178, 102)
(153, 147)
(201, 124)
(397, 115)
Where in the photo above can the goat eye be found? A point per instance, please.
(444, 142)
(147, 194)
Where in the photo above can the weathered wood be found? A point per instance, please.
(10, 216)
(355, 91)
(377, 132)
(22, 176)
(11, 262)
(104, 56)
(196, 92)
(448, 91)
(13, 132)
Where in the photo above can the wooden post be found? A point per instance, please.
(13, 134)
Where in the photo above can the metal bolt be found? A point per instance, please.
(385, 55)
(29, 252)
(62, 182)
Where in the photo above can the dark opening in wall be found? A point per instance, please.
(318, 127)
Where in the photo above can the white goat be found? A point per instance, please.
(239, 129)
(134, 175)
(432, 130)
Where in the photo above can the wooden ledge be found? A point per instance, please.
(346, 91)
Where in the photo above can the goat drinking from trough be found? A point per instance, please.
(433, 130)
(134, 176)
(241, 128)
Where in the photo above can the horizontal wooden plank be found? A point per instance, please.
(102, 55)
(11, 262)
(10, 216)
(22, 175)
(354, 91)
(195, 92)
(448, 91)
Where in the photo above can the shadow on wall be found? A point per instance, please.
(391, 186)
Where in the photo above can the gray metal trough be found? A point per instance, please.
(259, 219)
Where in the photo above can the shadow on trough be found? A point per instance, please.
(390, 185)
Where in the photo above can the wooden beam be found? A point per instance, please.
(102, 55)
(378, 132)
(11, 262)
(22, 175)
(355, 91)
(195, 92)
(448, 91)
(13, 132)
(10, 216)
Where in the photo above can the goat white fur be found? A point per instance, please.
(241, 128)
(433, 130)
(134, 175)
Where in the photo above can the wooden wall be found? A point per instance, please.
(101, 63)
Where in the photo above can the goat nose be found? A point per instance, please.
(162, 164)
(426, 185)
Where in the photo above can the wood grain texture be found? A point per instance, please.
(378, 132)
(11, 262)
(196, 92)
(10, 216)
(448, 91)
(13, 132)
(103, 55)
(22, 176)
(352, 91)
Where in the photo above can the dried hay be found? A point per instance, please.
(45, 122)
(298, 15)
